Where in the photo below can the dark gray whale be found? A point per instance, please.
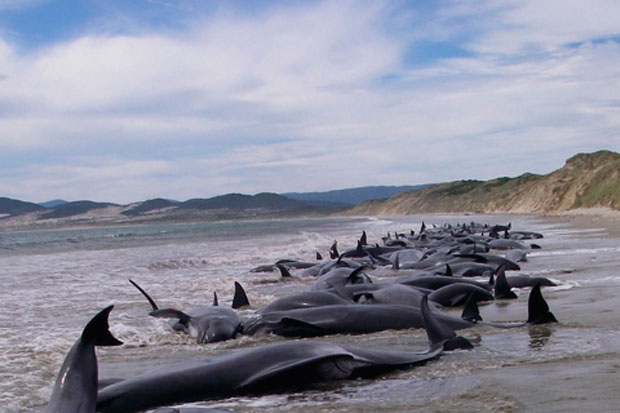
(456, 294)
(208, 324)
(362, 319)
(76, 385)
(344, 319)
(303, 300)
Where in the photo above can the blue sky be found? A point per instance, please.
(124, 101)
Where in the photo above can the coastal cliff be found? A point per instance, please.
(587, 180)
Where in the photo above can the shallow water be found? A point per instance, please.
(55, 281)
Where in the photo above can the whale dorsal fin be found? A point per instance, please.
(97, 330)
(215, 300)
(471, 312)
(354, 276)
(538, 309)
(396, 265)
(438, 333)
(284, 271)
(240, 299)
(333, 251)
(502, 288)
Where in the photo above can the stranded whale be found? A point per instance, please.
(208, 324)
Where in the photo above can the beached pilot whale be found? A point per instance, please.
(362, 319)
(76, 384)
(268, 369)
(209, 324)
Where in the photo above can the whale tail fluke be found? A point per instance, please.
(97, 330)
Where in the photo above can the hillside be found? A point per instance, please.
(350, 196)
(585, 181)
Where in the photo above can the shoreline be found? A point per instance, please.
(588, 217)
(580, 218)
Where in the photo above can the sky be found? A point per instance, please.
(123, 101)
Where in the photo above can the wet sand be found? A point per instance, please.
(589, 316)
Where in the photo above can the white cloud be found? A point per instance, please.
(309, 97)
(530, 26)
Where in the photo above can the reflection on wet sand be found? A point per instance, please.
(539, 335)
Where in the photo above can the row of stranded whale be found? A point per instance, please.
(416, 275)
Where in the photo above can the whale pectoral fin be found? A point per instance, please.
(148, 297)
(171, 313)
(97, 330)
(320, 367)
(240, 299)
(538, 309)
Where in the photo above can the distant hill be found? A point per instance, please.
(10, 206)
(263, 200)
(586, 180)
(73, 208)
(150, 206)
(53, 203)
(351, 196)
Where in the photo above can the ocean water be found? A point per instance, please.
(54, 281)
